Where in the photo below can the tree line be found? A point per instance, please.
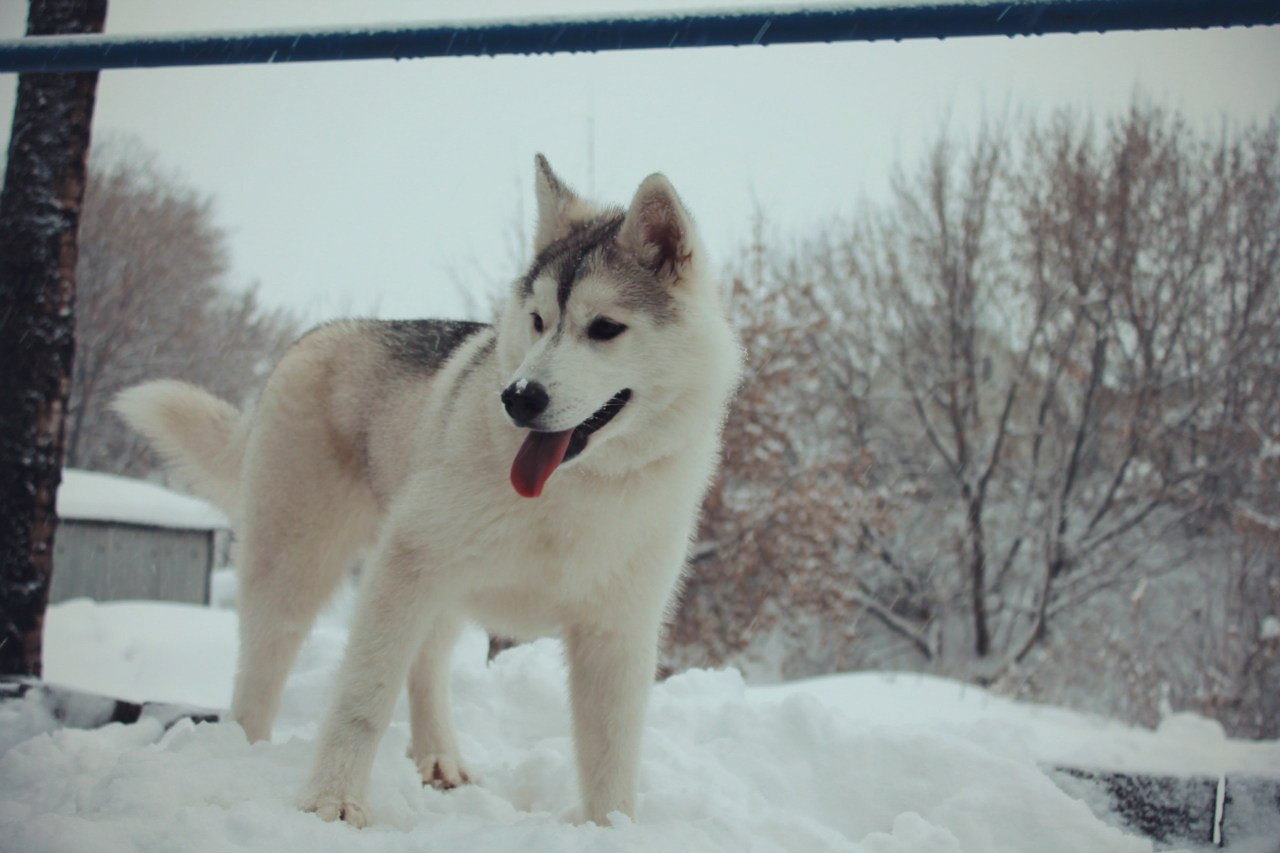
(1019, 424)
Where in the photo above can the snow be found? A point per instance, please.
(1183, 744)
(91, 496)
(863, 763)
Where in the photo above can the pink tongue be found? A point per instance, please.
(536, 459)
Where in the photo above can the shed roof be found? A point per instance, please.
(92, 496)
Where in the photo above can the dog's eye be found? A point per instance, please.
(604, 329)
(537, 322)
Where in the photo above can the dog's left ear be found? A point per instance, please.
(658, 229)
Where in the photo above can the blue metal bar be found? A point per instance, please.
(943, 20)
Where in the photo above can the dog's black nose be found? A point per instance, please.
(525, 401)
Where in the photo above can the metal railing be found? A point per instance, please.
(942, 20)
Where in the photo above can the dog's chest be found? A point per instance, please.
(535, 574)
(587, 544)
(571, 540)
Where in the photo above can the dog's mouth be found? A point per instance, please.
(543, 452)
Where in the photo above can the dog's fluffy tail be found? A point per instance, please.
(201, 437)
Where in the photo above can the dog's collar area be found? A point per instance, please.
(582, 432)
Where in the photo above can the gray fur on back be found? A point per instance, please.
(424, 345)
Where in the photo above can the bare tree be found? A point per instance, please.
(976, 418)
(1040, 318)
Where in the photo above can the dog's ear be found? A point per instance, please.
(558, 206)
(658, 229)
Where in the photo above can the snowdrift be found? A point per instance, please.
(860, 764)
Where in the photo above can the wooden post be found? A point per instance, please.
(39, 219)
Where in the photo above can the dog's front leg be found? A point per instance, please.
(434, 747)
(393, 615)
(611, 671)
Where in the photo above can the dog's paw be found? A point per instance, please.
(331, 808)
(442, 771)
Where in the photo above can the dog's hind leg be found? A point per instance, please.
(305, 517)
(272, 629)
(269, 643)
(435, 746)
(284, 582)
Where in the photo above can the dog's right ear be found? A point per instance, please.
(558, 206)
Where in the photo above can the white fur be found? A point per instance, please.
(195, 432)
(344, 451)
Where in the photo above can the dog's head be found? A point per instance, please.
(612, 327)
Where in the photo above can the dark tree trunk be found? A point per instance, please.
(39, 217)
(978, 578)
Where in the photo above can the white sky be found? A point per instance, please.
(382, 187)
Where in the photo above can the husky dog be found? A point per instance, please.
(541, 476)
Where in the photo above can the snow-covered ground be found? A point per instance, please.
(868, 763)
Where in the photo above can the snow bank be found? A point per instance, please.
(142, 651)
(1184, 744)
(859, 764)
(91, 496)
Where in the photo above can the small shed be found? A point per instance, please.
(120, 538)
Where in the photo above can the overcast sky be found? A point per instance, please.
(382, 187)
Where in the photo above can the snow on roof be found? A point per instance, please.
(91, 496)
